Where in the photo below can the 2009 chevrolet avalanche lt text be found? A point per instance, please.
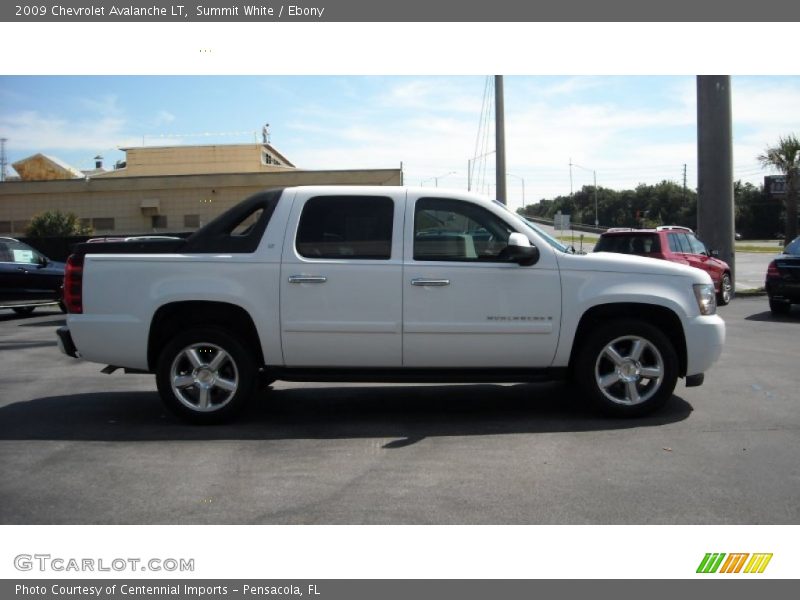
(385, 284)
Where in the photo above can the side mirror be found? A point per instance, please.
(521, 251)
(42, 261)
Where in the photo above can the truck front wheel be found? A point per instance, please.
(626, 368)
(205, 375)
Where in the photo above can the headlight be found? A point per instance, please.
(706, 298)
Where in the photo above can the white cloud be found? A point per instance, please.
(433, 94)
(33, 131)
(163, 117)
(103, 106)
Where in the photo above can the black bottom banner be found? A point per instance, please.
(388, 589)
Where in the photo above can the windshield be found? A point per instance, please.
(540, 232)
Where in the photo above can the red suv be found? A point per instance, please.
(670, 242)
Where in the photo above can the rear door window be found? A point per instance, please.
(346, 227)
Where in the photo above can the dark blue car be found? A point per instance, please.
(28, 278)
(783, 279)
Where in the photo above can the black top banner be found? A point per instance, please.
(405, 11)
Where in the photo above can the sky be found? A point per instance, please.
(624, 130)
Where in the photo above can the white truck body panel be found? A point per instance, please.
(488, 315)
(354, 317)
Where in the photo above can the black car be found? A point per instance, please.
(28, 278)
(783, 279)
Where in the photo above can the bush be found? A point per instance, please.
(54, 223)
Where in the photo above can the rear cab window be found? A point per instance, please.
(793, 248)
(238, 230)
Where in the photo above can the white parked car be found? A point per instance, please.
(385, 284)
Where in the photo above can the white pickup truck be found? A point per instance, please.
(335, 283)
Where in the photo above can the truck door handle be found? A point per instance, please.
(430, 282)
(307, 279)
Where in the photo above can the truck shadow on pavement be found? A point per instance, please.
(792, 317)
(408, 413)
(8, 315)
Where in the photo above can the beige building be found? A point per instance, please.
(195, 160)
(161, 189)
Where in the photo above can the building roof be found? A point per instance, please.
(42, 167)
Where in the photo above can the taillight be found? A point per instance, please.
(772, 270)
(73, 284)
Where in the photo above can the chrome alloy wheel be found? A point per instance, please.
(726, 289)
(629, 370)
(204, 377)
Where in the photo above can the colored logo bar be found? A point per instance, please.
(736, 562)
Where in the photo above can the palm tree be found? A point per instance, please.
(785, 157)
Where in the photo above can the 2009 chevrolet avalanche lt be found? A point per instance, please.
(385, 284)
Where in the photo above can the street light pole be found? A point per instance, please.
(436, 179)
(594, 175)
(471, 163)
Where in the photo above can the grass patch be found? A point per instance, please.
(751, 293)
(759, 249)
(576, 239)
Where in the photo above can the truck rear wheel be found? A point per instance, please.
(205, 375)
(626, 368)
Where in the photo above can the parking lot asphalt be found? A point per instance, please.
(77, 446)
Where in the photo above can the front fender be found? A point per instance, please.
(584, 290)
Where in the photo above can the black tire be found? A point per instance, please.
(779, 308)
(623, 389)
(209, 388)
(725, 290)
(24, 310)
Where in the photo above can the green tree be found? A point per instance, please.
(54, 223)
(758, 216)
(785, 157)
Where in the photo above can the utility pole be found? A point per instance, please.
(3, 160)
(684, 182)
(500, 138)
(594, 178)
(715, 166)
